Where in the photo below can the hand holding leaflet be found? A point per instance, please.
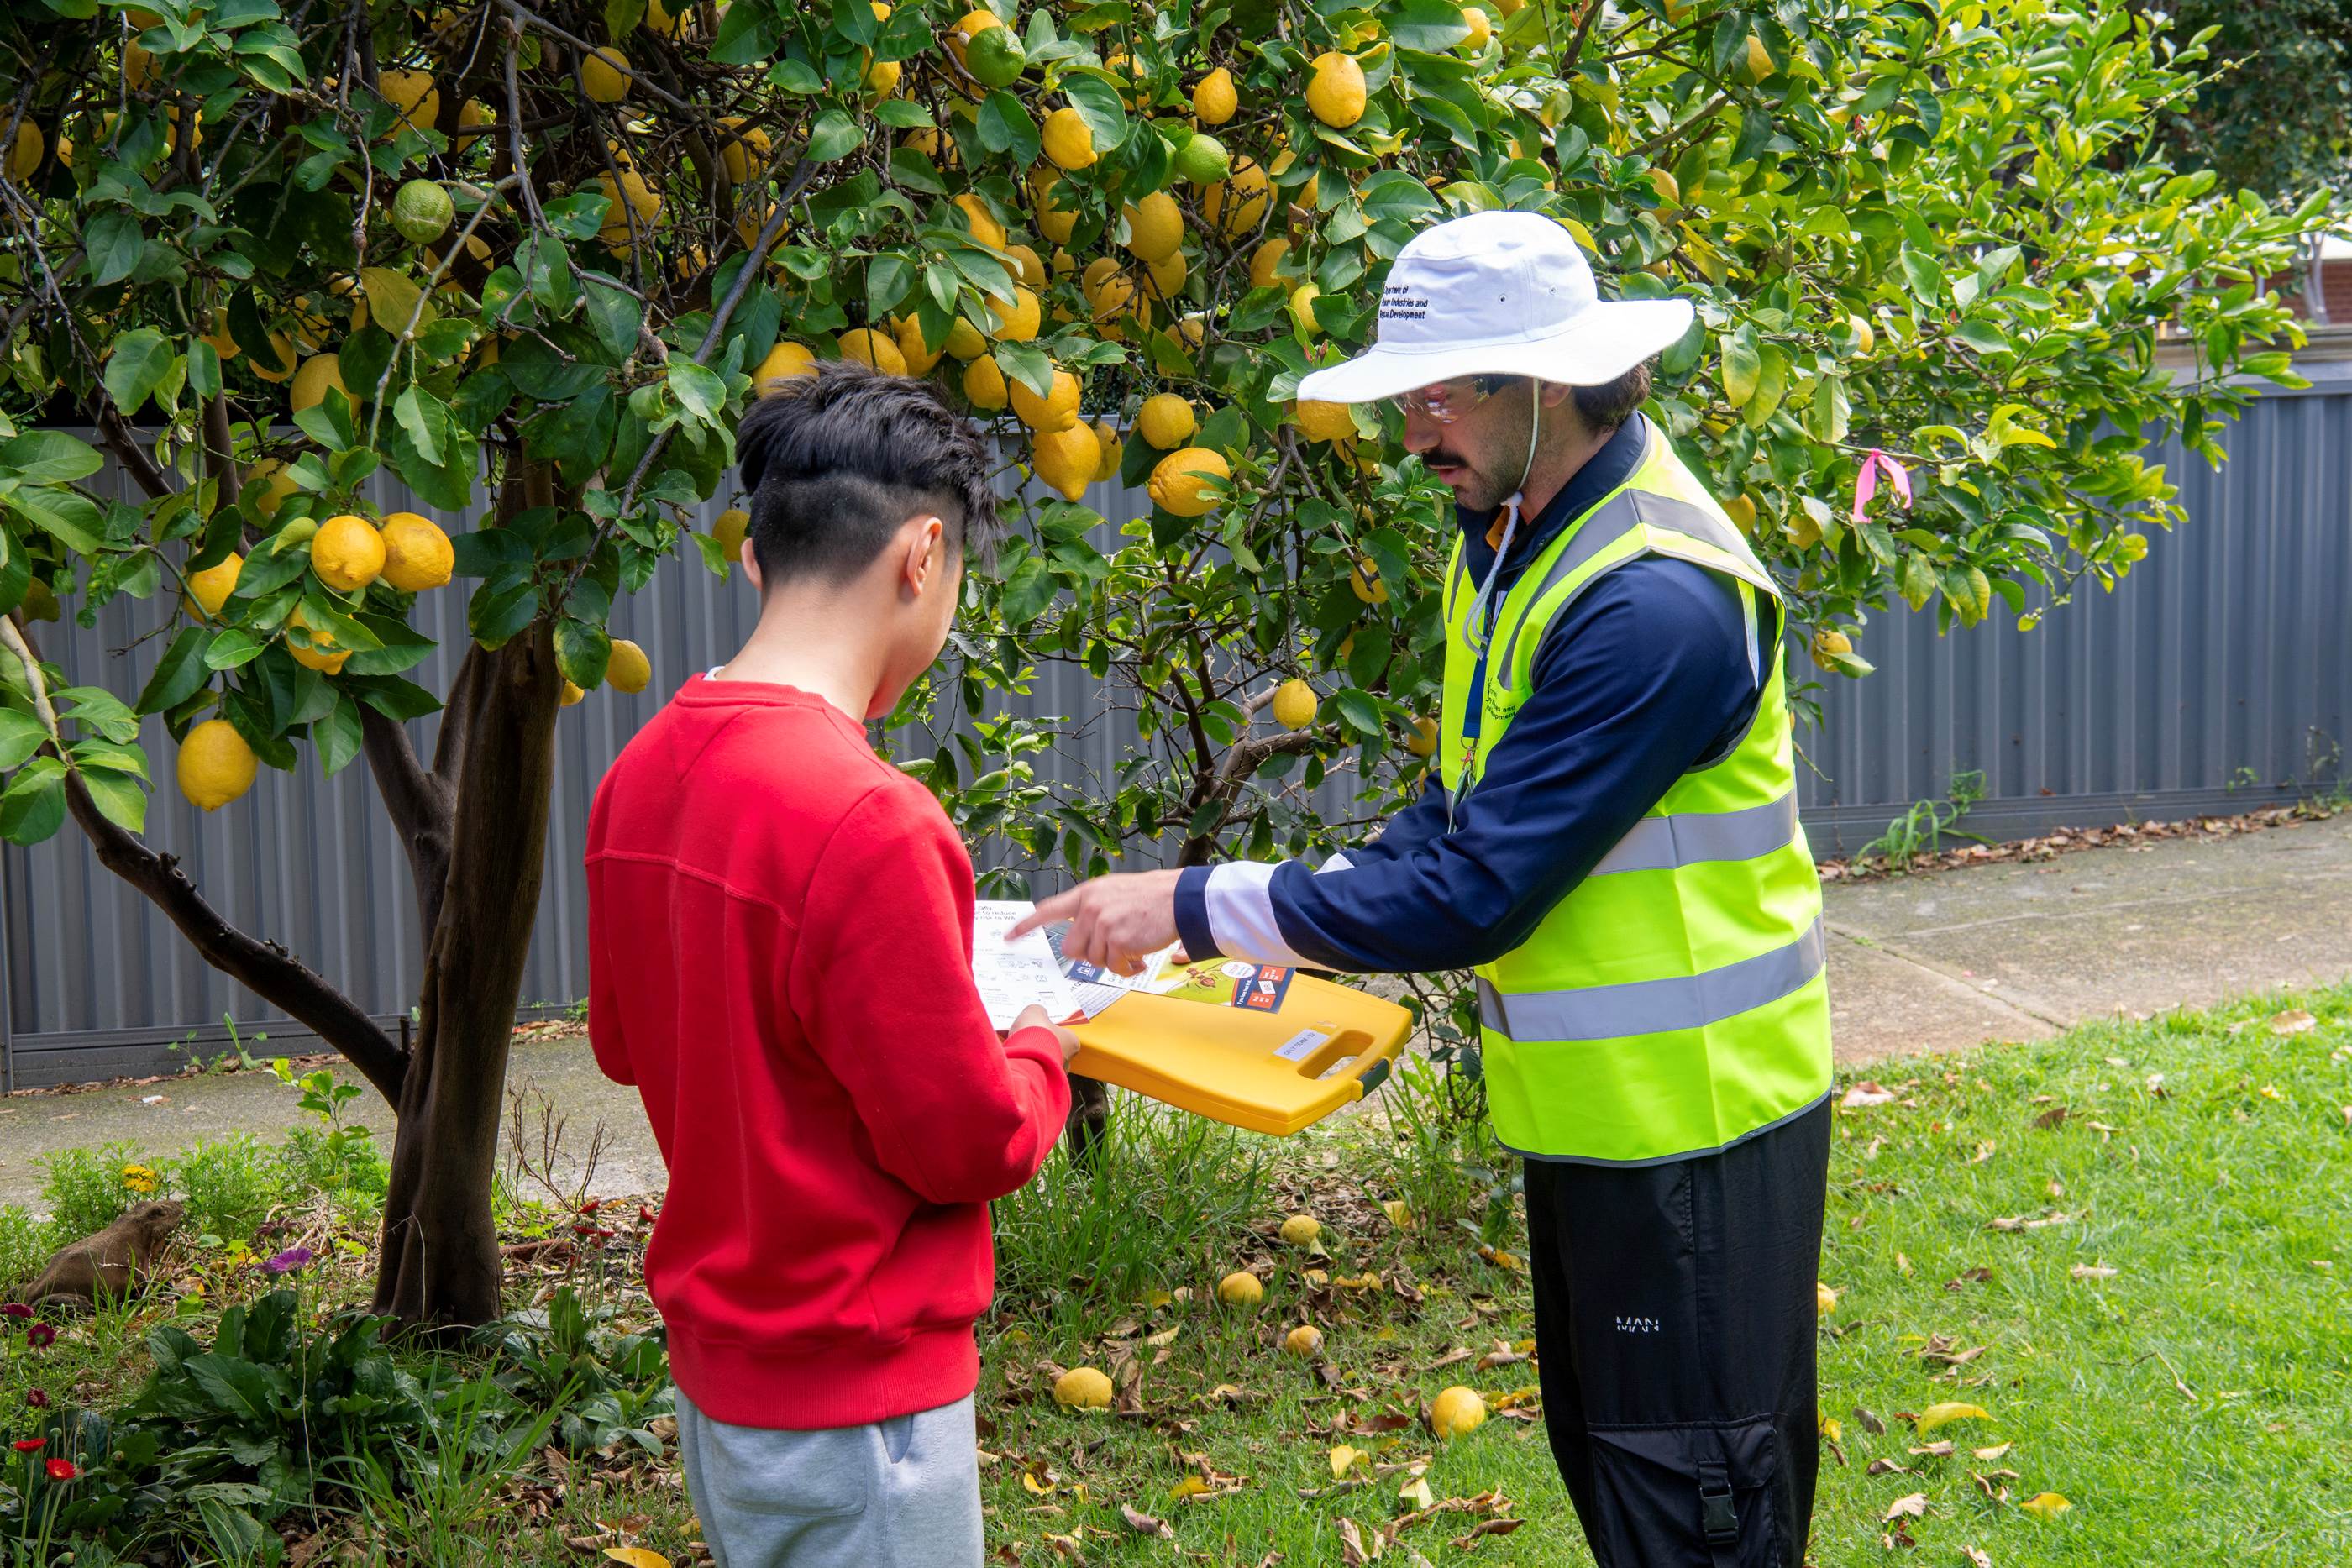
(1015, 975)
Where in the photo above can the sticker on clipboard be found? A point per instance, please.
(1302, 1045)
(1257, 987)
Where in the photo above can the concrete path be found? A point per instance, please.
(1927, 963)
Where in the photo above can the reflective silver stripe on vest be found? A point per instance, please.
(1661, 843)
(1653, 1006)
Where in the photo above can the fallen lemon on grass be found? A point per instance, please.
(1081, 1388)
(1306, 1340)
(1239, 1288)
(1824, 1299)
(1456, 1411)
(1301, 1230)
(2046, 1505)
(216, 766)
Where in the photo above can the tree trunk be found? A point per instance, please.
(440, 1263)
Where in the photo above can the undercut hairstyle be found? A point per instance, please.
(835, 463)
(1612, 403)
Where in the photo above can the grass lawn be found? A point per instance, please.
(2157, 1330)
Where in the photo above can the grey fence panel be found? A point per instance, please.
(2215, 678)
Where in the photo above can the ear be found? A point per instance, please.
(750, 563)
(926, 552)
(1551, 394)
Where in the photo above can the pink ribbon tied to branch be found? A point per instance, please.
(1865, 483)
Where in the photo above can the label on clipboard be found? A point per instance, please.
(1302, 1045)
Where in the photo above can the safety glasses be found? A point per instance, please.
(1447, 401)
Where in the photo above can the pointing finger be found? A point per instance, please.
(1061, 906)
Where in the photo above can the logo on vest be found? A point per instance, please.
(1640, 1325)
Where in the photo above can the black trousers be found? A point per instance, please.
(1675, 1330)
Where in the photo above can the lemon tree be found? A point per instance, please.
(531, 260)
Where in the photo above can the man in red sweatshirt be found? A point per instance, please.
(780, 938)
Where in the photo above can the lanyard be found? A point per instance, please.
(1479, 629)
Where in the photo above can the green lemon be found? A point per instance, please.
(1204, 160)
(422, 211)
(995, 57)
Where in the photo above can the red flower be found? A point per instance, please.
(40, 1336)
(645, 1213)
(36, 1400)
(15, 1310)
(31, 1445)
(592, 1206)
(62, 1470)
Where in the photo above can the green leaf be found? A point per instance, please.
(53, 457)
(337, 735)
(409, 409)
(582, 652)
(697, 389)
(1983, 337)
(33, 806)
(68, 516)
(1028, 364)
(179, 673)
(1432, 26)
(1924, 276)
(1360, 711)
(21, 735)
(1742, 366)
(613, 312)
(142, 359)
(1004, 125)
(835, 135)
(115, 242)
(232, 648)
(118, 798)
(1094, 95)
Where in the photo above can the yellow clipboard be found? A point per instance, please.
(1273, 1071)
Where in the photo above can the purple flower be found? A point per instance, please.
(40, 1336)
(15, 1310)
(287, 1262)
(36, 1398)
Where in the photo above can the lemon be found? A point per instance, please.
(1109, 292)
(984, 227)
(568, 696)
(868, 347)
(1481, 29)
(216, 766)
(995, 58)
(1306, 1340)
(1066, 458)
(602, 75)
(283, 347)
(1054, 222)
(1864, 339)
(472, 116)
(1335, 93)
(1742, 513)
(784, 361)
(1155, 227)
(414, 94)
(417, 553)
(907, 332)
(275, 482)
(661, 21)
(628, 669)
(1802, 532)
(1056, 411)
(1669, 189)
(1456, 1411)
(1238, 204)
(25, 157)
(346, 553)
(975, 22)
(1106, 464)
(964, 341)
(1302, 309)
(745, 150)
(316, 373)
(1181, 481)
(1203, 160)
(1081, 1388)
(1301, 1230)
(1825, 1299)
(881, 77)
(1827, 645)
(422, 211)
(1027, 265)
(1068, 141)
(1294, 705)
(1364, 578)
(1239, 1288)
(728, 530)
(1166, 420)
(321, 654)
(983, 385)
(1319, 421)
(1267, 261)
(138, 67)
(211, 587)
(1213, 98)
(1423, 741)
(1167, 274)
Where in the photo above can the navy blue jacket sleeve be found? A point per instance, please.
(1645, 676)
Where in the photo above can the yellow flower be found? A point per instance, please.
(139, 1178)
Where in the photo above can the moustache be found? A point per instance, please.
(1444, 460)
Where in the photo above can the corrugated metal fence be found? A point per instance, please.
(2215, 679)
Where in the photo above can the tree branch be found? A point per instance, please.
(1241, 759)
(264, 968)
(123, 441)
(423, 806)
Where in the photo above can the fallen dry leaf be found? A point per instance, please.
(1143, 1523)
(1067, 1548)
(1416, 1492)
(1342, 1458)
(1886, 1467)
(2045, 1505)
(1912, 1507)
(2053, 1117)
(1941, 1448)
(1866, 1092)
(2093, 1271)
(1976, 1559)
(1996, 1451)
(1870, 1423)
(1937, 1415)
(1352, 1550)
(636, 1556)
(2294, 1020)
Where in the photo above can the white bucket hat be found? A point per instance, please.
(1497, 294)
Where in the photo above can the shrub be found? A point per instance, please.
(88, 1189)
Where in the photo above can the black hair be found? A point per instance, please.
(1613, 403)
(837, 462)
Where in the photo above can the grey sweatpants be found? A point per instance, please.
(901, 1493)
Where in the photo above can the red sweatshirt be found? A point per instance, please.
(779, 958)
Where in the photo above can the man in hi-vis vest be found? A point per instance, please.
(1613, 845)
